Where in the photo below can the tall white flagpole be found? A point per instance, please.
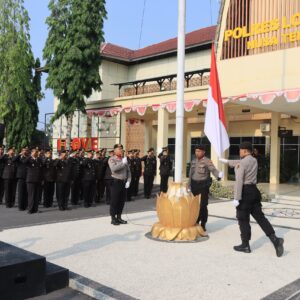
(180, 90)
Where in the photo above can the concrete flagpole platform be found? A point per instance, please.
(123, 259)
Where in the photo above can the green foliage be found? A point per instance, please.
(72, 52)
(19, 89)
(219, 191)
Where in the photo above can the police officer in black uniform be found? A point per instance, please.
(34, 178)
(89, 179)
(149, 172)
(165, 169)
(63, 167)
(108, 178)
(76, 180)
(131, 165)
(100, 173)
(137, 172)
(200, 180)
(9, 176)
(49, 175)
(1, 173)
(247, 200)
(21, 178)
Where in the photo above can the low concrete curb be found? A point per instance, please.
(95, 289)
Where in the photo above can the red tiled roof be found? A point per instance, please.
(197, 37)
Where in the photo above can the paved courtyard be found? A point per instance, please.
(123, 259)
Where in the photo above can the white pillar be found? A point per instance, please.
(275, 149)
(162, 134)
(180, 91)
(148, 135)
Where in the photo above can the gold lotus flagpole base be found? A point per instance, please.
(177, 212)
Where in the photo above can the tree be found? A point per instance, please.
(19, 89)
(72, 54)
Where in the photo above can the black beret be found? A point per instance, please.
(200, 147)
(118, 146)
(62, 151)
(246, 146)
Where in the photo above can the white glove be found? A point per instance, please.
(188, 190)
(124, 160)
(159, 150)
(127, 185)
(236, 203)
(221, 175)
(223, 160)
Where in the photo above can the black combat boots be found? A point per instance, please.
(114, 221)
(278, 244)
(243, 247)
(120, 220)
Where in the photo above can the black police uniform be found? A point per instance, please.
(49, 175)
(9, 177)
(149, 174)
(131, 187)
(63, 180)
(100, 173)
(165, 171)
(88, 181)
(1, 181)
(136, 175)
(22, 197)
(108, 180)
(76, 180)
(33, 180)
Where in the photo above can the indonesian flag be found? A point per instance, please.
(215, 128)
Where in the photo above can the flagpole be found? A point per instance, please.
(180, 90)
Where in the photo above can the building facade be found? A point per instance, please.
(257, 50)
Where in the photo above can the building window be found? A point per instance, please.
(261, 153)
(290, 159)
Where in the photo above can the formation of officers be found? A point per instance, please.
(32, 177)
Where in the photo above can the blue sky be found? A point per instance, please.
(123, 26)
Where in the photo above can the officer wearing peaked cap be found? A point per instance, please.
(149, 172)
(49, 173)
(120, 173)
(247, 200)
(89, 178)
(199, 180)
(165, 169)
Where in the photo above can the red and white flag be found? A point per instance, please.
(215, 126)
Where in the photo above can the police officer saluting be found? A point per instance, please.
(121, 181)
(33, 179)
(247, 200)
(136, 175)
(131, 164)
(88, 179)
(165, 169)
(49, 179)
(149, 172)
(63, 179)
(9, 176)
(199, 181)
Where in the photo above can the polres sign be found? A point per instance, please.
(86, 143)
